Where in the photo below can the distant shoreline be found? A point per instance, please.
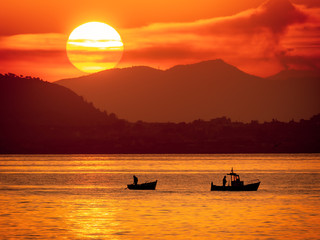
(44, 118)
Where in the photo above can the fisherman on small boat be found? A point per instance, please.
(224, 181)
(135, 180)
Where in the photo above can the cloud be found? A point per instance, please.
(274, 16)
(277, 35)
(47, 41)
(41, 55)
(308, 3)
(36, 56)
(298, 61)
(253, 36)
(277, 15)
(50, 65)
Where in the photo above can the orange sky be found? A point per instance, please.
(260, 37)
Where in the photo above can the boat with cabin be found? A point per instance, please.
(236, 184)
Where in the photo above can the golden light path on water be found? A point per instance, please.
(94, 46)
(63, 196)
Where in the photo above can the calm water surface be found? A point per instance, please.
(85, 197)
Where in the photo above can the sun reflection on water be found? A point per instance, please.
(95, 205)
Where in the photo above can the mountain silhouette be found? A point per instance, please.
(41, 117)
(31, 101)
(203, 90)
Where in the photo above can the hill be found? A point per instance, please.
(203, 90)
(31, 101)
(41, 117)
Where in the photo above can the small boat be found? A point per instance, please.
(143, 186)
(236, 184)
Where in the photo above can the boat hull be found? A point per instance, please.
(143, 186)
(247, 187)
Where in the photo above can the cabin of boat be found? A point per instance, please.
(236, 184)
(143, 186)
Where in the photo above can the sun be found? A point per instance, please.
(94, 46)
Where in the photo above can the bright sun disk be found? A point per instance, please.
(94, 46)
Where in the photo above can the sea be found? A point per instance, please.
(85, 197)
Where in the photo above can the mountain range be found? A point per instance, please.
(42, 117)
(204, 90)
(31, 101)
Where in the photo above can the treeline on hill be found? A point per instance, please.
(41, 117)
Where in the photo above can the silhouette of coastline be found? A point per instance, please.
(41, 117)
(202, 90)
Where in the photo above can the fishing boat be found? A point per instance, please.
(143, 186)
(236, 184)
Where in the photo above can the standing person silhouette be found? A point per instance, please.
(224, 181)
(135, 180)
